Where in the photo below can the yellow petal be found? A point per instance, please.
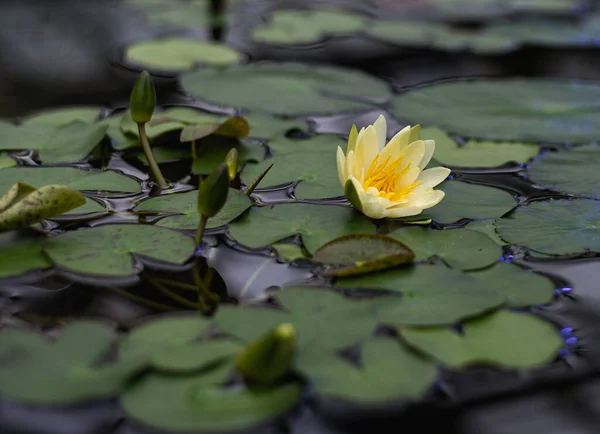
(352, 139)
(409, 177)
(366, 148)
(350, 164)
(429, 149)
(380, 126)
(371, 207)
(434, 176)
(341, 166)
(394, 148)
(435, 198)
(413, 153)
(404, 211)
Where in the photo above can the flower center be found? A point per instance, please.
(385, 175)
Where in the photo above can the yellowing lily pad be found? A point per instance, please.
(180, 54)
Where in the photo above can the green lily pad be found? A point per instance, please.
(63, 143)
(470, 201)
(263, 126)
(20, 253)
(92, 180)
(504, 339)
(362, 253)
(459, 248)
(178, 13)
(185, 205)
(317, 224)
(36, 370)
(550, 33)
(432, 294)
(89, 207)
(171, 119)
(180, 54)
(287, 27)
(555, 227)
(119, 139)
(107, 250)
(165, 155)
(289, 252)
(192, 404)
(7, 161)
(389, 372)
(477, 153)
(574, 171)
(528, 110)
(212, 150)
(311, 161)
(64, 116)
(322, 318)
(287, 89)
(487, 227)
(520, 286)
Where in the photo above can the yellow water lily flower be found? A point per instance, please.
(388, 181)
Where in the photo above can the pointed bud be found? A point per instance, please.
(352, 195)
(270, 357)
(213, 191)
(143, 99)
(232, 163)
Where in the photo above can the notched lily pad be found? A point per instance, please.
(107, 250)
(37, 370)
(361, 253)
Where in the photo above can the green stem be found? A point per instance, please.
(141, 300)
(174, 283)
(150, 157)
(194, 155)
(172, 295)
(200, 230)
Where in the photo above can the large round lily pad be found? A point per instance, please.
(317, 224)
(287, 89)
(505, 339)
(180, 54)
(517, 109)
(555, 227)
(63, 116)
(107, 250)
(20, 253)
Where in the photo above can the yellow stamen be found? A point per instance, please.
(384, 177)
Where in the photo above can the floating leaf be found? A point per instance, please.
(36, 370)
(180, 54)
(92, 180)
(575, 171)
(195, 403)
(477, 153)
(289, 252)
(287, 89)
(64, 116)
(507, 109)
(389, 372)
(108, 250)
(171, 119)
(522, 287)
(504, 339)
(6, 161)
(185, 205)
(487, 227)
(236, 127)
(470, 201)
(311, 161)
(307, 26)
(555, 227)
(263, 126)
(317, 224)
(212, 150)
(361, 253)
(164, 155)
(20, 253)
(23, 205)
(459, 248)
(432, 294)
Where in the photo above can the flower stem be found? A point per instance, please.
(141, 300)
(150, 157)
(200, 230)
(194, 155)
(172, 295)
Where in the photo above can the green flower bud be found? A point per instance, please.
(143, 99)
(213, 191)
(270, 357)
(232, 163)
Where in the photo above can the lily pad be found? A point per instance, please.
(212, 150)
(317, 224)
(575, 171)
(171, 119)
(504, 339)
(64, 116)
(520, 286)
(470, 201)
(20, 253)
(107, 250)
(528, 110)
(487, 227)
(91, 180)
(311, 161)
(358, 254)
(289, 27)
(389, 372)
(6, 161)
(185, 205)
(289, 252)
(459, 248)
(432, 294)
(287, 89)
(555, 227)
(180, 54)
(195, 403)
(36, 370)
(477, 153)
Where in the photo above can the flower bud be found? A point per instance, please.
(143, 99)
(232, 163)
(213, 191)
(270, 357)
